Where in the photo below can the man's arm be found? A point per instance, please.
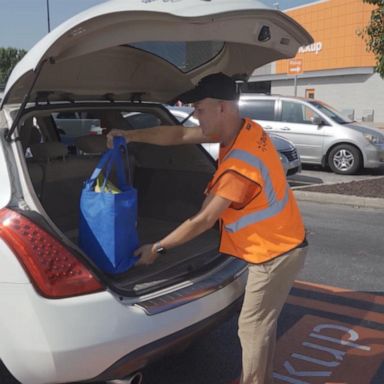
(161, 135)
(191, 228)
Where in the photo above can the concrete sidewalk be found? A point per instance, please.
(333, 198)
(305, 194)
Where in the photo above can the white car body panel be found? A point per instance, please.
(61, 341)
(11, 271)
(5, 190)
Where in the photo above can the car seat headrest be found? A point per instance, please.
(91, 144)
(48, 151)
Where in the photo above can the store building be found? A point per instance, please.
(337, 68)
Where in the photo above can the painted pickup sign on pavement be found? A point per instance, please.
(330, 336)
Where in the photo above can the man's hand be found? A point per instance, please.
(116, 132)
(147, 254)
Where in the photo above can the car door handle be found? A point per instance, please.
(267, 127)
(285, 129)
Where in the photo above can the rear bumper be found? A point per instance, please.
(96, 336)
(176, 342)
(294, 166)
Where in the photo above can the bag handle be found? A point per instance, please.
(112, 157)
(118, 143)
(99, 167)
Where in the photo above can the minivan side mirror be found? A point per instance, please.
(317, 120)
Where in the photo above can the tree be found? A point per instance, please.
(8, 59)
(373, 34)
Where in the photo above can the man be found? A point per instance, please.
(259, 217)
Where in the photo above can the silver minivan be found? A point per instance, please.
(320, 133)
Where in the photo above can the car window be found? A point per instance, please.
(71, 125)
(181, 115)
(67, 115)
(258, 109)
(331, 113)
(139, 120)
(186, 56)
(298, 113)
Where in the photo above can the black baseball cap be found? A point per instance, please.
(215, 86)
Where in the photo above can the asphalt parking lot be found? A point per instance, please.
(332, 327)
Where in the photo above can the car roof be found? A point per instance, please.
(255, 96)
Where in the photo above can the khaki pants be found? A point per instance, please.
(267, 289)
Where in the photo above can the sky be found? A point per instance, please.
(24, 22)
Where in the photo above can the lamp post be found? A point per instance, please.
(48, 17)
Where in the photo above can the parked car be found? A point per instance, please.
(320, 133)
(288, 154)
(74, 124)
(62, 319)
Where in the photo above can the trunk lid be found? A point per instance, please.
(120, 49)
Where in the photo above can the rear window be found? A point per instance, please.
(258, 109)
(74, 124)
(140, 120)
(185, 56)
(75, 127)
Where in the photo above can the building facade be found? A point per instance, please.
(336, 68)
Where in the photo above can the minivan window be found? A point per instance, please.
(331, 113)
(292, 112)
(258, 109)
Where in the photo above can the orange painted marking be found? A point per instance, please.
(322, 351)
(337, 309)
(340, 292)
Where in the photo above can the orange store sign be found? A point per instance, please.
(316, 47)
(295, 66)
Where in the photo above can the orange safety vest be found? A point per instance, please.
(270, 224)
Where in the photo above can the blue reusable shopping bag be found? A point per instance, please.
(107, 232)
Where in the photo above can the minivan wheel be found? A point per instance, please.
(345, 159)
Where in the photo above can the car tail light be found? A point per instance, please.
(53, 269)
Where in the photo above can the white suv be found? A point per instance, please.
(320, 133)
(62, 319)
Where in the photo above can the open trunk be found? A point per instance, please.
(138, 51)
(170, 182)
(167, 197)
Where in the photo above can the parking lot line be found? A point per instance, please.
(345, 310)
(341, 292)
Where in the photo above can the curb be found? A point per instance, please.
(334, 198)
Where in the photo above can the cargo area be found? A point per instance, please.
(170, 182)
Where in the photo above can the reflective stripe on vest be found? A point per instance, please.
(274, 206)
